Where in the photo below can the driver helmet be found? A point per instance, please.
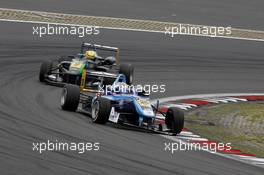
(90, 54)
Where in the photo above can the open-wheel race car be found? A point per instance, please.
(108, 97)
(68, 69)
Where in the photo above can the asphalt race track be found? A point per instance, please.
(237, 13)
(30, 111)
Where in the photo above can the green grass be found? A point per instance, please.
(241, 124)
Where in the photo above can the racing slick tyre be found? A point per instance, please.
(174, 120)
(101, 109)
(45, 69)
(70, 97)
(128, 71)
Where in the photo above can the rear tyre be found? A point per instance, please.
(174, 120)
(45, 69)
(101, 109)
(70, 97)
(128, 71)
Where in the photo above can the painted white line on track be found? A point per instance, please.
(199, 96)
(192, 139)
(128, 29)
(229, 156)
(254, 159)
(186, 132)
(189, 136)
(58, 16)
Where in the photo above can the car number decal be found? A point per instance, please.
(113, 117)
(143, 103)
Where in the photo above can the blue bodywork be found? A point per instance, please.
(129, 101)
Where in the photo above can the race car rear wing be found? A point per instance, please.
(101, 47)
(85, 74)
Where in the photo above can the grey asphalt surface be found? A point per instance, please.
(234, 13)
(30, 111)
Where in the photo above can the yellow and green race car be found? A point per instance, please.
(68, 69)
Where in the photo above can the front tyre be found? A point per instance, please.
(70, 97)
(174, 120)
(128, 71)
(101, 109)
(45, 69)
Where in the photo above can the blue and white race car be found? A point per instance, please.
(115, 101)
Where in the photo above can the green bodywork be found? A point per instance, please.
(77, 65)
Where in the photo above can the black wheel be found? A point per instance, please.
(101, 109)
(175, 120)
(65, 58)
(45, 69)
(128, 71)
(70, 97)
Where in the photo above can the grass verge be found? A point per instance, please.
(241, 124)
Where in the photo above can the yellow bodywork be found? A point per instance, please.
(82, 84)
